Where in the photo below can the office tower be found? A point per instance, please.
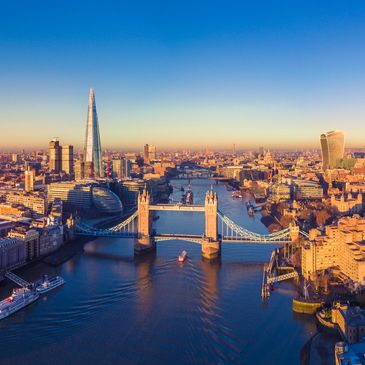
(92, 151)
(149, 153)
(79, 169)
(121, 168)
(29, 179)
(333, 147)
(60, 157)
(14, 157)
(54, 156)
(67, 159)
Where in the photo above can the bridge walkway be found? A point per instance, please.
(16, 279)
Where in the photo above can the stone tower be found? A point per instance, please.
(145, 240)
(211, 244)
(211, 217)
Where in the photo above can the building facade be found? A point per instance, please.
(12, 253)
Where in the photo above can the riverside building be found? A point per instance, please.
(12, 253)
(342, 245)
(84, 196)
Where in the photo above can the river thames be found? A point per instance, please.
(115, 309)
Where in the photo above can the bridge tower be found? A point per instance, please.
(145, 241)
(211, 243)
(294, 232)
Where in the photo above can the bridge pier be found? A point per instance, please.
(144, 245)
(211, 249)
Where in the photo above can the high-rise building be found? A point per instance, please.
(121, 168)
(92, 150)
(149, 153)
(54, 156)
(67, 159)
(14, 157)
(333, 148)
(29, 179)
(61, 157)
(79, 169)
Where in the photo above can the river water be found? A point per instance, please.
(115, 309)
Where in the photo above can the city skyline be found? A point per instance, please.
(184, 74)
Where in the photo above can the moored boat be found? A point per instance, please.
(183, 256)
(19, 299)
(49, 284)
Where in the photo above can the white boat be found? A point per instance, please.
(49, 284)
(183, 256)
(19, 299)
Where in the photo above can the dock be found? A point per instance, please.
(17, 279)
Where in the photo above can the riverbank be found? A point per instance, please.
(65, 252)
(319, 350)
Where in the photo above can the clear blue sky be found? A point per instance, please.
(185, 73)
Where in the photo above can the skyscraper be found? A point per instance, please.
(149, 153)
(61, 157)
(333, 148)
(67, 159)
(54, 156)
(121, 168)
(29, 179)
(92, 150)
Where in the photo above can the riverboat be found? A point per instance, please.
(49, 284)
(20, 298)
(183, 256)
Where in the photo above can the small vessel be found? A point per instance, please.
(182, 188)
(182, 256)
(49, 284)
(19, 299)
(237, 194)
(188, 197)
(251, 211)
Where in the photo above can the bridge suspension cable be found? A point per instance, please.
(120, 230)
(123, 224)
(240, 233)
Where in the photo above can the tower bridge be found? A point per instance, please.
(146, 237)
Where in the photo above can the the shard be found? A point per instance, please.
(92, 150)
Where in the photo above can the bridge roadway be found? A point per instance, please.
(178, 207)
(197, 238)
(177, 236)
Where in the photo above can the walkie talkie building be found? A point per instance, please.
(332, 146)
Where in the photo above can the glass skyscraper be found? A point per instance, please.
(333, 148)
(92, 150)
